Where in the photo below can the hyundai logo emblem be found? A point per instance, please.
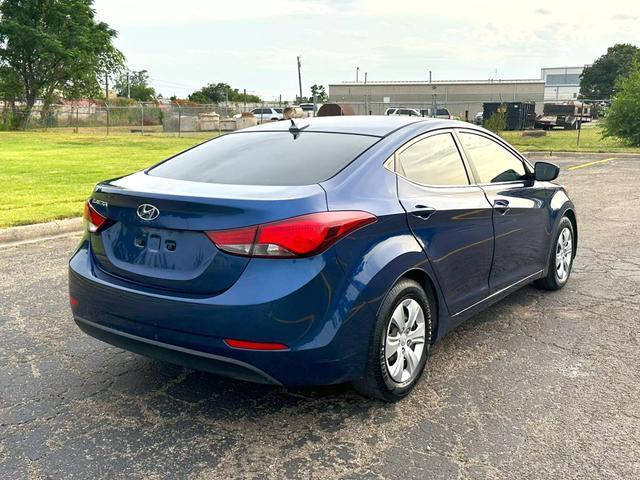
(148, 212)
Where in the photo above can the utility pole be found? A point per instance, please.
(366, 97)
(357, 71)
(429, 76)
(128, 86)
(244, 97)
(299, 78)
(106, 97)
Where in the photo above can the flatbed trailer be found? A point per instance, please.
(563, 114)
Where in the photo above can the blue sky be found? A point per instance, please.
(253, 44)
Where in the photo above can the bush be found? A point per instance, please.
(496, 122)
(623, 117)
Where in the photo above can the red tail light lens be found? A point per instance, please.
(247, 345)
(295, 237)
(95, 221)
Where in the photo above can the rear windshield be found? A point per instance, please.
(266, 158)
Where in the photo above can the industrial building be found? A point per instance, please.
(462, 98)
(561, 83)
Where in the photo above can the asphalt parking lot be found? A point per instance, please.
(542, 385)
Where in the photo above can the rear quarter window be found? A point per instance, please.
(266, 158)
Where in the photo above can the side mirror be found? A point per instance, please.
(546, 172)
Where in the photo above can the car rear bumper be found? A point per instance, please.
(186, 357)
(302, 305)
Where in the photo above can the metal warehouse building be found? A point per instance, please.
(461, 97)
(562, 83)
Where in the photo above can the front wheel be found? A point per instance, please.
(400, 344)
(561, 259)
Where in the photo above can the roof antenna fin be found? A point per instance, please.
(295, 130)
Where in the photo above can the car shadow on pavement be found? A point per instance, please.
(180, 390)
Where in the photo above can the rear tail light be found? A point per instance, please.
(294, 237)
(95, 221)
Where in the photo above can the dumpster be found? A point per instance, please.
(519, 115)
(335, 110)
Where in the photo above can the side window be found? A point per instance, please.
(492, 161)
(433, 161)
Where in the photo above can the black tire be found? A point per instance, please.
(377, 381)
(552, 281)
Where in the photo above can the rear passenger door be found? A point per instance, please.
(520, 214)
(450, 217)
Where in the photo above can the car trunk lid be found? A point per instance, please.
(170, 250)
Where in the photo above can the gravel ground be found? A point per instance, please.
(541, 385)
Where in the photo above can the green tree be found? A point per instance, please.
(9, 92)
(623, 118)
(319, 93)
(598, 81)
(218, 92)
(55, 46)
(135, 85)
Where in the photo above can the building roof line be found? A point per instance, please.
(438, 82)
(571, 66)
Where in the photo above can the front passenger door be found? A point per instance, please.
(520, 215)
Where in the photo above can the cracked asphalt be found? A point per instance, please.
(542, 385)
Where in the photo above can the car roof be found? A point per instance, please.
(374, 125)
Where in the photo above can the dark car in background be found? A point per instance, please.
(334, 249)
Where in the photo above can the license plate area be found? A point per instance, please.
(154, 242)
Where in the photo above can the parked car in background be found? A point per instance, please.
(265, 114)
(262, 254)
(441, 112)
(411, 112)
(414, 112)
(478, 118)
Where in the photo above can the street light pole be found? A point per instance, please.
(357, 71)
(299, 78)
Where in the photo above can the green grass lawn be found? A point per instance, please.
(47, 175)
(565, 141)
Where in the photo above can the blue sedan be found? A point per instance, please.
(331, 250)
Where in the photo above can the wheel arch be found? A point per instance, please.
(424, 280)
(571, 215)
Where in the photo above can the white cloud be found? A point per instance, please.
(168, 12)
(253, 43)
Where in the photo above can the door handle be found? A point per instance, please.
(422, 211)
(501, 206)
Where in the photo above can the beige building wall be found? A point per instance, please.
(457, 96)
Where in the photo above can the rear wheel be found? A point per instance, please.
(400, 344)
(561, 259)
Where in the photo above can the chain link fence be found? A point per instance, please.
(459, 110)
(182, 117)
(137, 118)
